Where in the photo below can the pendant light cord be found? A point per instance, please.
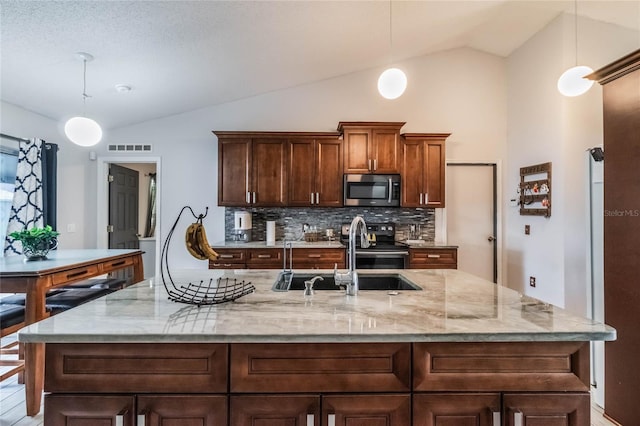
(84, 88)
(390, 33)
(576, 27)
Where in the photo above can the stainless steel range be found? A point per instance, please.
(383, 253)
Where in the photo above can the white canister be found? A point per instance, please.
(242, 221)
(271, 232)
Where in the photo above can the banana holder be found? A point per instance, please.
(202, 292)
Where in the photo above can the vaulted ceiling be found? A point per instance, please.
(183, 55)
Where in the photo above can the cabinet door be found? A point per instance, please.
(269, 180)
(412, 173)
(302, 172)
(267, 258)
(328, 176)
(318, 258)
(275, 410)
(482, 409)
(434, 173)
(356, 151)
(367, 410)
(89, 410)
(234, 159)
(547, 409)
(183, 410)
(433, 258)
(385, 151)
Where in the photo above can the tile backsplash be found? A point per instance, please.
(290, 221)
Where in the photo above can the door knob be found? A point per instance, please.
(491, 239)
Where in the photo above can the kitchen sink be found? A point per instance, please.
(384, 282)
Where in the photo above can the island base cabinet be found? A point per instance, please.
(129, 410)
(305, 410)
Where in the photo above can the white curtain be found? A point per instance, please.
(27, 208)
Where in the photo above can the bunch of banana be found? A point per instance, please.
(197, 244)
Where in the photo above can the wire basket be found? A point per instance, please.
(215, 291)
(209, 291)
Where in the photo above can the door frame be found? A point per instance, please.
(499, 271)
(102, 236)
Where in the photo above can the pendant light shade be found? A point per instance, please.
(392, 83)
(572, 82)
(81, 130)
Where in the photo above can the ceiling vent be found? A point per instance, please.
(130, 148)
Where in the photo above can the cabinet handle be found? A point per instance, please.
(314, 256)
(496, 418)
(312, 198)
(369, 168)
(426, 198)
(120, 417)
(433, 256)
(311, 421)
(226, 256)
(331, 420)
(142, 419)
(421, 198)
(375, 164)
(317, 198)
(248, 198)
(517, 419)
(264, 256)
(254, 198)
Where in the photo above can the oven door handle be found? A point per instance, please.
(390, 190)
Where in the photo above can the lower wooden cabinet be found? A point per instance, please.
(318, 384)
(548, 409)
(433, 258)
(495, 409)
(273, 258)
(325, 258)
(120, 410)
(453, 409)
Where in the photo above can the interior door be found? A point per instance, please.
(123, 208)
(471, 217)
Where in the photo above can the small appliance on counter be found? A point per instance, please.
(242, 226)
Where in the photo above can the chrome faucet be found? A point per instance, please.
(308, 285)
(350, 278)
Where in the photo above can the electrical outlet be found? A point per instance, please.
(532, 281)
(527, 229)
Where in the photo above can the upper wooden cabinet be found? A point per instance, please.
(423, 156)
(252, 169)
(315, 171)
(371, 147)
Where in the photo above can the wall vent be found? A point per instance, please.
(130, 148)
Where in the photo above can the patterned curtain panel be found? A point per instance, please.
(28, 204)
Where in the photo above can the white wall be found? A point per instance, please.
(460, 91)
(545, 126)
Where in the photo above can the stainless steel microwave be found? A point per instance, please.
(372, 190)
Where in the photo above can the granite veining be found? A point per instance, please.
(452, 306)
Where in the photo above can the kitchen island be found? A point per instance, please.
(461, 350)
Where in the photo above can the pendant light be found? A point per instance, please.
(81, 130)
(392, 82)
(572, 82)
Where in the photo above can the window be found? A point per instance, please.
(8, 167)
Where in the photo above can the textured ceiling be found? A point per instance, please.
(183, 55)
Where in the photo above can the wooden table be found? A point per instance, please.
(62, 267)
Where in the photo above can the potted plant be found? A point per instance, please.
(36, 242)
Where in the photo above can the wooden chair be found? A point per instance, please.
(11, 320)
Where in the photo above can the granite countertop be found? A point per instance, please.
(277, 244)
(452, 307)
